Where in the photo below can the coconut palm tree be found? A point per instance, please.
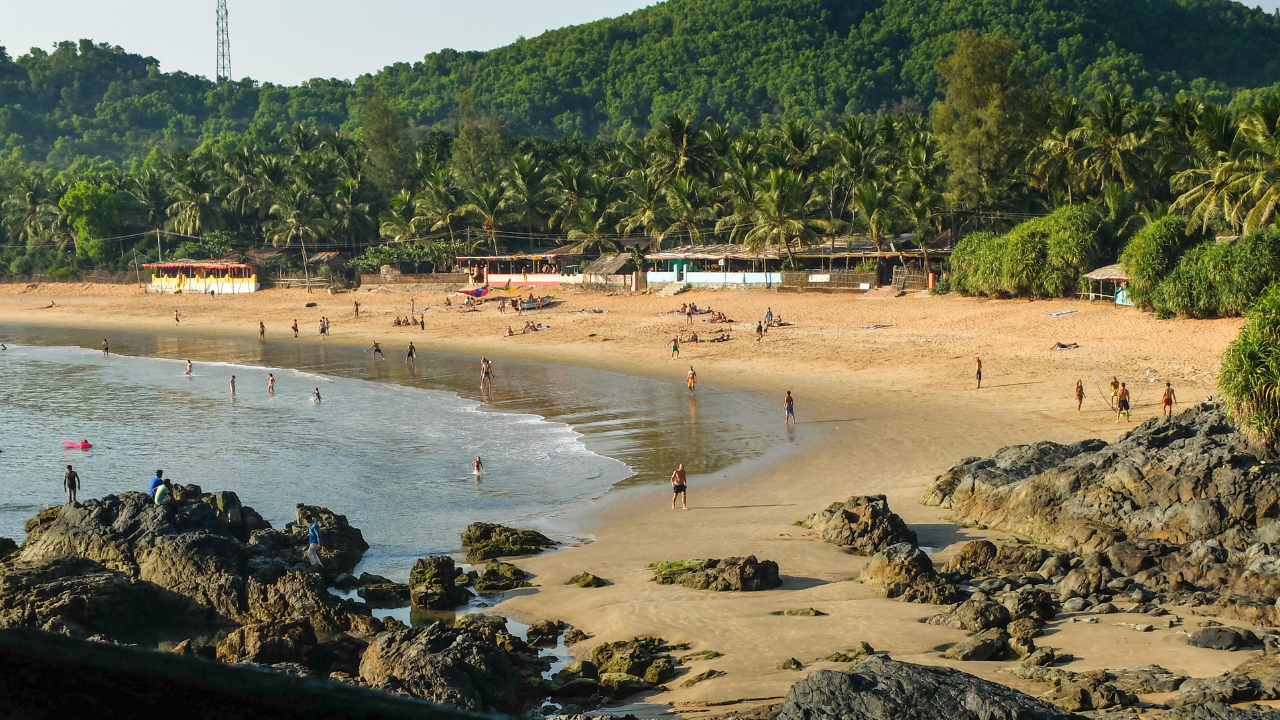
(440, 204)
(1113, 136)
(299, 213)
(874, 203)
(528, 198)
(486, 204)
(642, 204)
(689, 207)
(781, 212)
(23, 208)
(349, 218)
(196, 205)
(679, 148)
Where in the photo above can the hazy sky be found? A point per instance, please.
(288, 41)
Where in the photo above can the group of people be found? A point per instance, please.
(420, 322)
(529, 327)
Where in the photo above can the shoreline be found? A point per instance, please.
(880, 413)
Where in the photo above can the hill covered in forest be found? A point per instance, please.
(751, 63)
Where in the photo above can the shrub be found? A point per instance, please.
(1219, 279)
(1249, 381)
(1151, 255)
(1044, 257)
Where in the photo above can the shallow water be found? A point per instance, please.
(389, 446)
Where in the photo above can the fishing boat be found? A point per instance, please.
(533, 304)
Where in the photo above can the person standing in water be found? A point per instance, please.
(679, 488)
(1079, 395)
(271, 384)
(106, 350)
(295, 328)
(789, 407)
(1122, 404)
(693, 378)
(978, 374)
(412, 353)
(376, 347)
(1168, 400)
(486, 374)
(313, 542)
(262, 331)
(188, 368)
(477, 464)
(71, 483)
(233, 384)
(317, 394)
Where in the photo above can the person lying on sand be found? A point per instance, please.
(1064, 346)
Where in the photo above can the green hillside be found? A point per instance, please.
(748, 62)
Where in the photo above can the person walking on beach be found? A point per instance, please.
(1122, 404)
(188, 368)
(679, 488)
(688, 314)
(768, 316)
(271, 384)
(486, 374)
(675, 346)
(1115, 391)
(1168, 400)
(317, 394)
(693, 378)
(262, 330)
(175, 317)
(71, 483)
(412, 354)
(759, 331)
(295, 328)
(106, 350)
(789, 407)
(357, 302)
(979, 372)
(1079, 395)
(233, 384)
(376, 347)
(313, 543)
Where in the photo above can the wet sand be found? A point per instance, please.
(880, 411)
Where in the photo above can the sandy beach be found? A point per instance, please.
(885, 399)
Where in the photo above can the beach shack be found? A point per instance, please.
(1108, 283)
(202, 276)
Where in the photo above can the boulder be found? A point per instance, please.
(500, 577)
(737, 573)
(882, 689)
(484, 541)
(7, 547)
(586, 580)
(1025, 628)
(974, 558)
(574, 636)
(660, 670)
(290, 641)
(296, 595)
(432, 584)
(1089, 693)
(544, 633)
(905, 571)
(1219, 711)
(454, 666)
(1145, 680)
(1229, 688)
(622, 685)
(384, 595)
(196, 649)
(1030, 603)
(974, 616)
(862, 525)
(343, 546)
(985, 645)
(630, 657)
(790, 664)
(702, 676)
(1221, 638)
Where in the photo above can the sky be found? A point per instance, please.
(289, 41)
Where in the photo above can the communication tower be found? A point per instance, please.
(224, 43)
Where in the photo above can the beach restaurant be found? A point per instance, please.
(202, 276)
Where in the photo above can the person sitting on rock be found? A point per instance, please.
(164, 493)
(313, 543)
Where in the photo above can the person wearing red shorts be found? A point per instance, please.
(1169, 399)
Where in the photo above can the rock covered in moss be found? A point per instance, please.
(702, 677)
(500, 577)
(384, 595)
(739, 573)
(432, 584)
(484, 541)
(586, 580)
(544, 633)
(790, 664)
(631, 657)
(803, 612)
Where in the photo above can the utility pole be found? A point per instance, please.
(224, 44)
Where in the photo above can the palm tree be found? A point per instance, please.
(594, 220)
(22, 209)
(568, 179)
(679, 148)
(441, 202)
(348, 217)
(873, 205)
(400, 220)
(642, 204)
(795, 144)
(1055, 163)
(525, 184)
(298, 213)
(780, 213)
(195, 205)
(1113, 136)
(487, 203)
(1259, 163)
(689, 206)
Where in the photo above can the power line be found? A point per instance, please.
(224, 43)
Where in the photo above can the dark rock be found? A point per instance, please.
(1218, 711)
(1230, 688)
(790, 664)
(431, 584)
(484, 541)
(738, 573)
(7, 547)
(905, 571)
(1145, 680)
(197, 649)
(660, 670)
(574, 636)
(578, 669)
(1024, 628)
(586, 580)
(622, 685)
(630, 657)
(500, 577)
(702, 676)
(488, 626)
(346, 581)
(297, 595)
(1021, 648)
(1089, 693)
(881, 689)
(545, 633)
(577, 688)
(700, 655)
(862, 525)
(985, 645)
(448, 665)
(343, 546)
(289, 641)
(974, 558)
(1030, 602)
(384, 595)
(364, 625)
(974, 616)
(1221, 638)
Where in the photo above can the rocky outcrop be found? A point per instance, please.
(905, 571)
(289, 641)
(544, 633)
(484, 541)
(433, 584)
(986, 645)
(500, 577)
(192, 548)
(586, 580)
(881, 689)
(647, 658)
(1218, 711)
(7, 548)
(738, 573)
(862, 525)
(456, 666)
(1187, 479)
(1257, 678)
(1091, 691)
(1223, 638)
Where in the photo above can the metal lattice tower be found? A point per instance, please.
(224, 43)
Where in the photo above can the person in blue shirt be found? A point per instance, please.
(156, 482)
(313, 543)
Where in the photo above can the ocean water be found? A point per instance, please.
(390, 445)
